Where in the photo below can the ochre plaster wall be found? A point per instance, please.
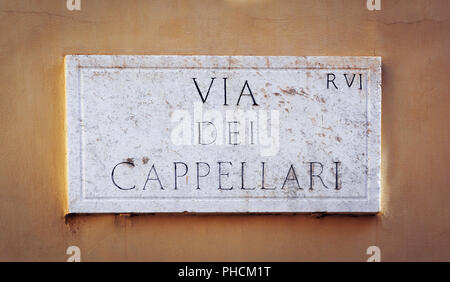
(411, 36)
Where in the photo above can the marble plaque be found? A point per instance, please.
(221, 134)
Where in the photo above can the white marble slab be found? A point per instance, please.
(133, 134)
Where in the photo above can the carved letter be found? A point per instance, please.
(311, 174)
(250, 94)
(200, 92)
(157, 178)
(332, 80)
(198, 173)
(112, 175)
(175, 169)
(294, 178)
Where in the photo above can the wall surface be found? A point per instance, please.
(411, 36)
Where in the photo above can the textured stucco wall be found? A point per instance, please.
(412, 36)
